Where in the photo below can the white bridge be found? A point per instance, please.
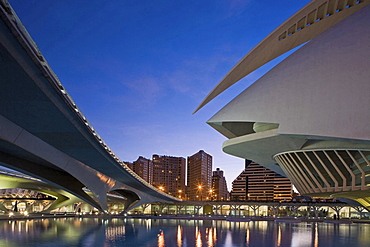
(45, 135)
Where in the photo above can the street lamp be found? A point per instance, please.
(200, 191)
(210, 194)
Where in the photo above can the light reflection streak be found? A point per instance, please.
(316, 240)
(228, 239)
(179, 236)
(210, 240)
(198, 237)
(279, 236)
(247, 236)
(301, 236)
(161, 242)
(113, 232)
(148, 224)
(214, 235)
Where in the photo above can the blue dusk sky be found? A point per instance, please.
(138, 69)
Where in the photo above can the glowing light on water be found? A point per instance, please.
(316, 240)
(161, 242)
(198, 237)
(301, 237)
(135, 232)
(209, 237)
(247, 236)
(279, 236)
(179, 236)
(214, 235)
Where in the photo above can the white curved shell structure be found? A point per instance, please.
(309, 117)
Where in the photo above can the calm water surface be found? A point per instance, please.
(176, 233)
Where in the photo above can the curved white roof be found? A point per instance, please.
(306, 24)
(320, 90)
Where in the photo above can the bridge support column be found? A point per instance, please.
(275, 210)
(178, 208)
(360, 210)
(236, 209)
(216, 208)
(144, 206)
(196, 209)
(161, 207)
(2, 207)
(316, 210)
(336, 210)
(254, 208)
(294, 209)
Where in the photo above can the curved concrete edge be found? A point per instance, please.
(63, 197)
(95, 181)
(320, 90)
(271, 47)
(270, 143)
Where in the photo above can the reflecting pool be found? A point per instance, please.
(176, 233)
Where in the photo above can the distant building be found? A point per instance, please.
(144, 168)
(219, 187)
(258, 183)
(129, 165)
(199, 176)
(169, 174)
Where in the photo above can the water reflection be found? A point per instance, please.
(316, 238)
(179, 236)
(247, 236)
(161, 242)
(301, 237)
(180, 233)
(279, 237)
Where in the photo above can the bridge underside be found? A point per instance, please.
(45, 135)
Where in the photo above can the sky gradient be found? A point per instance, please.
(138, 69)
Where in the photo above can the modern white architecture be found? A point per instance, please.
(308, 117)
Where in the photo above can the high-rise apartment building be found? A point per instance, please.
(169, 174)
(144, 168)
(129, 165)
(219, 187)
(199, 176)
(258, 183)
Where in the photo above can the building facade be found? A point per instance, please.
(144, 168)
(258, 183)
(219, 190)
(199, 176)
(129, 165)
(169, 174)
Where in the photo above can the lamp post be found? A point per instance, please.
(161, 188)
(210, 194)
(200, 191)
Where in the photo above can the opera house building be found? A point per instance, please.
(308, 118)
